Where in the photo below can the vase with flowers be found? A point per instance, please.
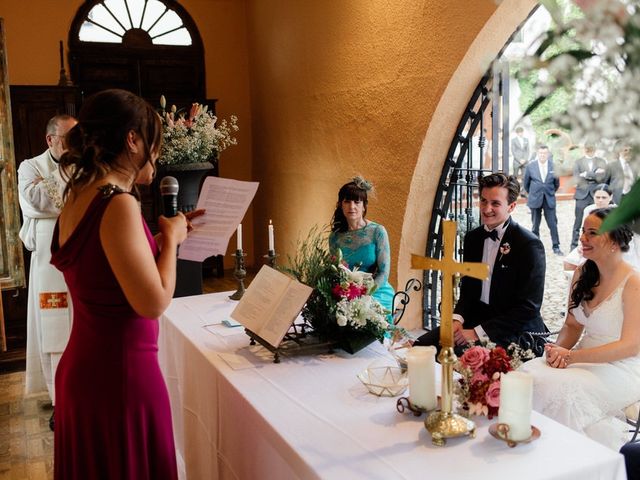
(340, 309)
(191, 142)
(481, 368)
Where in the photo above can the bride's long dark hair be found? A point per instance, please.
(590, 275)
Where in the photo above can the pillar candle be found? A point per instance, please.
(422, 382)
(239, 238)
(516, 400)
(271, 239)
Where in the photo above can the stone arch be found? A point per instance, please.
(437, 140)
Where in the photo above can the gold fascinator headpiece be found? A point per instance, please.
(362, 183)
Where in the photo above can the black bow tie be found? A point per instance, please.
(492, 234)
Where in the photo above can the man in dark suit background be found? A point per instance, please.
(588, 172)
(620, 174)
(541, 185)
(507, 304)
(520, 152)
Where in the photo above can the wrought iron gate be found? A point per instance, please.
(480, 145)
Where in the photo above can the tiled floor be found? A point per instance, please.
(26, 443)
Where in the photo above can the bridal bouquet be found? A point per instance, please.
(193, 136)
(481, 368)
(341, 307)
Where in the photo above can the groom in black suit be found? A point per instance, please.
(507, 304)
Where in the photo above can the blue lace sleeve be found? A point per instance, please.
(333, 243)
(383, 255)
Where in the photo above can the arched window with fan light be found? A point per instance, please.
(150, 47)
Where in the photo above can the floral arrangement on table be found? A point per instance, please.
(594, 47)
(193, 136)
(480, 368)
(341, 307)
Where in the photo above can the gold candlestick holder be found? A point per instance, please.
(239, 273)
(271, 258)
(443, 423)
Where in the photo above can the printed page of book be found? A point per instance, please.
(285, 312)
(226, 201)
(271, 304)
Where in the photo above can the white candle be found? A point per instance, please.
(421, 363)
(239, 238)
(271, 239)
(516, 400)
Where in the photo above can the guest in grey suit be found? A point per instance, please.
(521, 152)
(620, 174)
(541, 184)
(588, 172)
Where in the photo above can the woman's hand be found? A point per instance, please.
(173, 228)
(557, 357)
(191, 215)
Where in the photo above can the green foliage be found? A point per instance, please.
(627, 212)
(542, 109)
(312, 266)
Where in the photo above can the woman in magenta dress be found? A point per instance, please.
(113, 419)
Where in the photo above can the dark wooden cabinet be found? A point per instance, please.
(31, 108)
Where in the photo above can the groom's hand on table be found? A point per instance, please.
(463, 336)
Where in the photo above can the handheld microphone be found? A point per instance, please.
(169, 192)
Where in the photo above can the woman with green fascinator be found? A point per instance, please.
(364, 243)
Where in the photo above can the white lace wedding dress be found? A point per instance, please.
(589, 397)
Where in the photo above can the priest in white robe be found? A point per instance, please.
(40, 189)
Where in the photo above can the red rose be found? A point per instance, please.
(354, 291)
(475, 357)
(498, 361)
(339, 292)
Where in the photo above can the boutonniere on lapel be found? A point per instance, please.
(505, 249)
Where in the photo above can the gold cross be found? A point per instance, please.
(54, 300)
(449, 268)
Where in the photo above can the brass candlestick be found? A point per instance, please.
(239, 273)
(443, 423)
(271, 258)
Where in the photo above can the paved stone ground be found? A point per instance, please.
(554, 305)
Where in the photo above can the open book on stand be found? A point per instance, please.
(271, 304)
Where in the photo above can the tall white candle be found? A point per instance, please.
(271, 239)
(516, 400)
(239, 238)
(422, 382)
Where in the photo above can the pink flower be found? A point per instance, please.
(493, 394)
(479, 377)
(475, 357)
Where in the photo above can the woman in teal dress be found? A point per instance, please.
(364, 243)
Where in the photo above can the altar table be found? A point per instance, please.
(309, 417)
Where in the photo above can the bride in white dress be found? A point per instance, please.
(592, 371)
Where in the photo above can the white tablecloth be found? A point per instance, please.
(309, 417)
